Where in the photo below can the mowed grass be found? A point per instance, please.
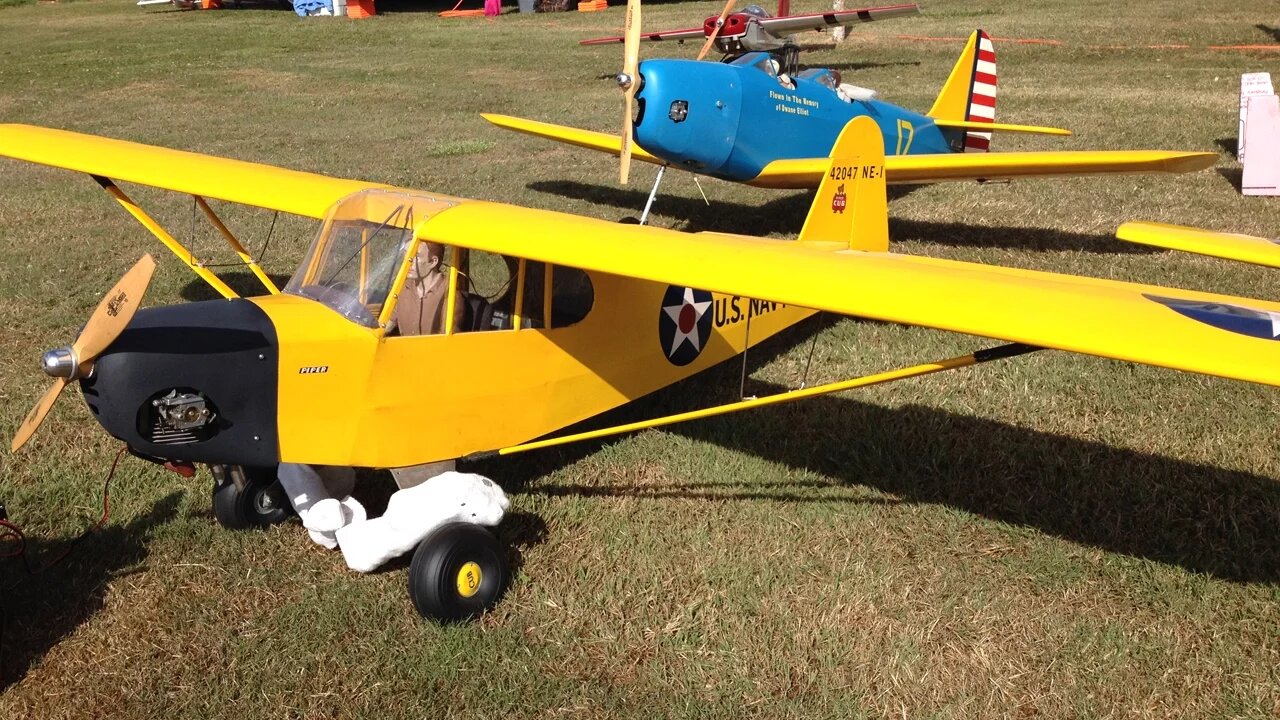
(1054, 536)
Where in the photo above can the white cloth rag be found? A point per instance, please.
(413, 513)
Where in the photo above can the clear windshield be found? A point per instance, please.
(821, 76)
(357, 256)
(760, 60)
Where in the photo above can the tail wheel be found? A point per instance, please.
(262, 502)
(458, 572)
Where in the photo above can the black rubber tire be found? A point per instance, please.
(438, 566)
(261, 503)
(630, 220)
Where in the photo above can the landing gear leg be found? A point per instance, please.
(644, 216)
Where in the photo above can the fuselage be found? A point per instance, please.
(287, 378)
(730, 120)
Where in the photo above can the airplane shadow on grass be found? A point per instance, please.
(243, 282)
(40, 610)
(855, 66)
(1202, 518)
(786, 214)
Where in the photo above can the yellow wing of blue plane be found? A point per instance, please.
(1186, 330)
(1229, 246)
(912, 169)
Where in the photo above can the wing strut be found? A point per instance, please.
(185, 255)
(995, 353)
(245, 257)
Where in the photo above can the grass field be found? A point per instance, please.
(1055, 536)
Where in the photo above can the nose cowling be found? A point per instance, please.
(689, 113)
(195, 382)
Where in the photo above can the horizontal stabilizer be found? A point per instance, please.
(1229, 246)
(999, 127)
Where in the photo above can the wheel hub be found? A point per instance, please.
(469, 577)
(263, 503)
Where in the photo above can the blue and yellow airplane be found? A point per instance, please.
(550, 319)
(747, 121)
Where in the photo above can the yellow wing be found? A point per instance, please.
(912, 169)
(1229, 246)
(247, 183)
(909, 169)
(1141, 323)
(589, 139)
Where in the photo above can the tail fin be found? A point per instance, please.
(850, 208)
(970, 91)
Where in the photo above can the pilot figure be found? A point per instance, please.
(421, 308)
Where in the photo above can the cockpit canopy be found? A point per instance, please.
(762, 61)
(358, 253)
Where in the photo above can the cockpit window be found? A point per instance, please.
(821, 76)
(359, 251)
(761, 61)
(755, 10)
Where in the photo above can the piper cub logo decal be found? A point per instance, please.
(688, 316)
(839, 200)
(313, 370)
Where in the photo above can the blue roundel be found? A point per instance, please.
(684, 323)
(1232, 318)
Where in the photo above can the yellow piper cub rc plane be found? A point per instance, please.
(551, 319)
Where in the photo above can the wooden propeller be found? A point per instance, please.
(106, 323)
(631, 69)
(715, 32)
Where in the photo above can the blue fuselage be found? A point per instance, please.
(731, 120)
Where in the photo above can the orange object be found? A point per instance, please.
(210, 4)
(478, 12)
(593, 5)
(359, 9)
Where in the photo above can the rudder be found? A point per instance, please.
(851, 208)
(970, 91)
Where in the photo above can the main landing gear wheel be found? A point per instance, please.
(458, 572)
(262, 502)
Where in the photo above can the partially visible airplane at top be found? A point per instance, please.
(753, 28)
(747, 121)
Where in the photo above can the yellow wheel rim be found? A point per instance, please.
(469, 577)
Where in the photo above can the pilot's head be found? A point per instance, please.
(430, 256)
